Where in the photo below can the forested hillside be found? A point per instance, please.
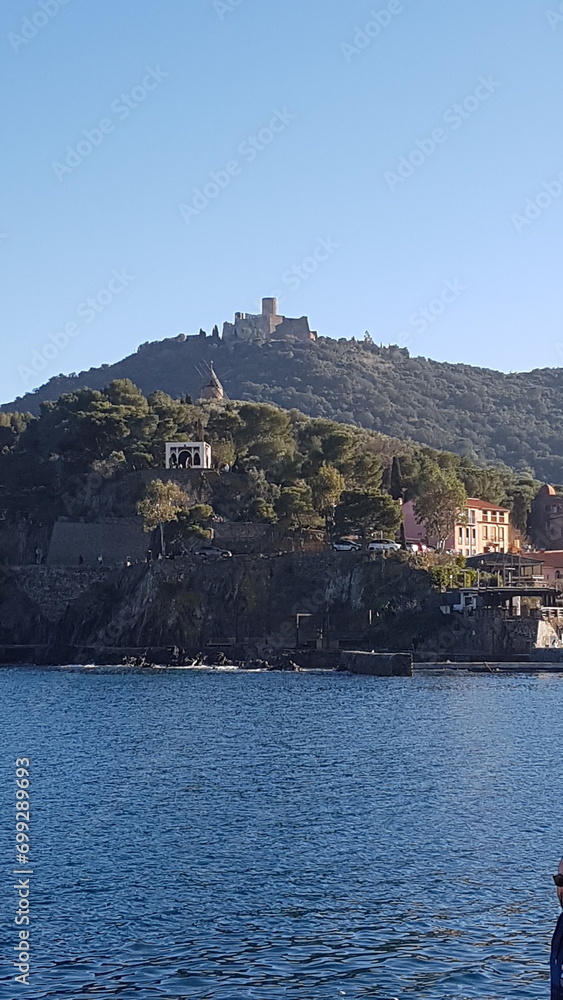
(291, 467)
(488, 416)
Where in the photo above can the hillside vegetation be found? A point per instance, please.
(488, 416)
(290, 466)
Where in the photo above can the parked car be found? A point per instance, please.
(212, 552)
(384, 545)
(344, 546)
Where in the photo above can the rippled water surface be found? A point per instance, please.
(238, 835)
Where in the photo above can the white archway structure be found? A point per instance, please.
(188, 455)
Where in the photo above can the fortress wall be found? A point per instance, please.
(243, 537)
(115, 541)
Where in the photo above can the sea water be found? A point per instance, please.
(230, 835)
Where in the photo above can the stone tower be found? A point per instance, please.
(270, 314)
(213, 388)
(268, 325)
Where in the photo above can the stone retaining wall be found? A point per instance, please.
(112, 539)
(377, 664)
(53, 589)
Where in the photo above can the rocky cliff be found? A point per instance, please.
(247, 601)
(246, 607)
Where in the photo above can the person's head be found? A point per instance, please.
(560, 887)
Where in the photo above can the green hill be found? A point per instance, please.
(283, 465)
(488, 416)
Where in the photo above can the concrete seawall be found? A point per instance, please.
(377, 664)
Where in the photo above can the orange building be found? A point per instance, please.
(485, 528)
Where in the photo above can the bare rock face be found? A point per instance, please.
(264, 605)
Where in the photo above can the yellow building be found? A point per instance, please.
(486, 529)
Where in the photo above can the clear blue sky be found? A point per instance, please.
(200, 79)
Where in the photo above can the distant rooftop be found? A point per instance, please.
(485, 505)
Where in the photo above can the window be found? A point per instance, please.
(501, 517)
(461, 534)
(485, 532)
(493, 515)
(485, 516)
(473, 533)
(467, 534)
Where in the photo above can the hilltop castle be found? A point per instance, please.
(268, 325)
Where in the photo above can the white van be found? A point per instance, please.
(384, 545)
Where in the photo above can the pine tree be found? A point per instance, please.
(396, 485)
